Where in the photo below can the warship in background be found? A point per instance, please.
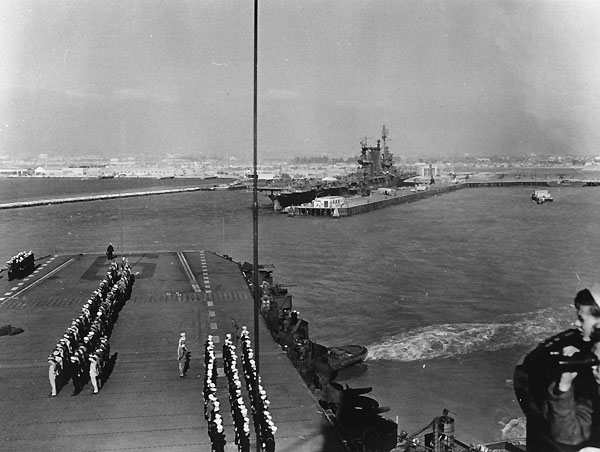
(376, 170)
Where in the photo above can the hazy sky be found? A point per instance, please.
(447, 77)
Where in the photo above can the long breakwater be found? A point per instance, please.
(44, 202)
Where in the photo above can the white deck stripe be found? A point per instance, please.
(188, 271)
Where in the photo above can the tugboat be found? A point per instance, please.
(541, 196)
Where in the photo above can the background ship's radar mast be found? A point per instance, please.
(387, 160)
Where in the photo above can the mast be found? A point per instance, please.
(255, 218)
(384, 135)
(386, 158)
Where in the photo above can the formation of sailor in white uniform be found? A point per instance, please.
(241, 422)
(84, 349)
(263, 423)
(212, 413)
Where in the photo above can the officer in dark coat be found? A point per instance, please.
(109, 251)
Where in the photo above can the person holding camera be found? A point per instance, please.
(569, 420)
(574, 399)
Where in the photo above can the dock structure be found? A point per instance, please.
(143, 404)
(361, 204)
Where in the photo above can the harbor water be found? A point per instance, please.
(447, 293)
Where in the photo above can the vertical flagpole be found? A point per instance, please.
(255, 226)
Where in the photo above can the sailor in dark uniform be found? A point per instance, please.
(109, 251)
(217, 435)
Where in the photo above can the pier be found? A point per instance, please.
(361, 204)
(144, 405)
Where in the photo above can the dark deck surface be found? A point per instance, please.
(144, 405)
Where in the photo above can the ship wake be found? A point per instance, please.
(448, 340)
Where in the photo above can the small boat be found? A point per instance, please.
(541, 196)
(219, 187)
(345, 356)
(419, 187)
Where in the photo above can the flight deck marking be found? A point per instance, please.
(213, 326)
(56, 270)
(188, 271)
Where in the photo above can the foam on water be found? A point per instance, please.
(447, 340)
